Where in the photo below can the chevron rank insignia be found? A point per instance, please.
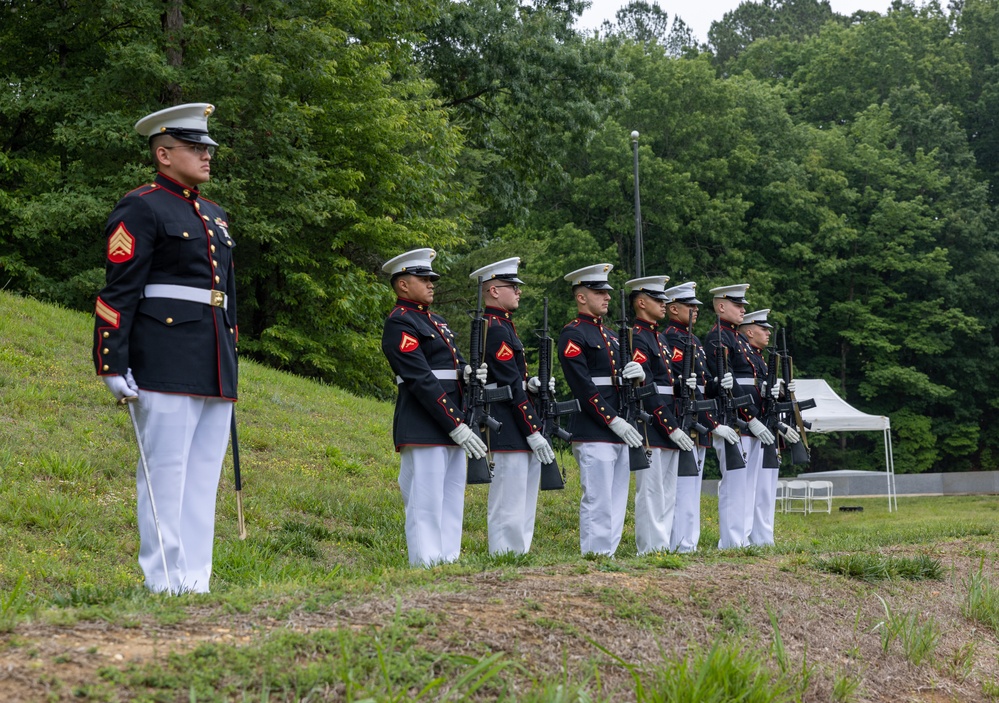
(408, 343)
(121, 245)
(639, 356)
(677, 354)
(504, 353)
(572, 349)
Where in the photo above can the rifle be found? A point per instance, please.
(552, 478)
(770, 410)
(728, 406)
(478, 397)
(690, 407)
(800, 453)
(631, 396)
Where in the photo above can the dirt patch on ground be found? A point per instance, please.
(548, 619)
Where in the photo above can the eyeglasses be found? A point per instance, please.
(198, 149)
(516, 288)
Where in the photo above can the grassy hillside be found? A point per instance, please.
(319, 477)
(319, 602)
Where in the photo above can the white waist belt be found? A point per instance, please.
(746, 380)
(700, 387)
(602, 381)
(664, 390)
(215, 298)
(442, 374)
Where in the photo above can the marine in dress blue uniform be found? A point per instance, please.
(681, 301)
(756, 330)
(519, 449)
(428, 426)
(165, 333)
(737, 489)
(655, 487)
(590, 357)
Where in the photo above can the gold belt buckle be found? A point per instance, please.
(218, 299)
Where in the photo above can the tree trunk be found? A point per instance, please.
(173, 27)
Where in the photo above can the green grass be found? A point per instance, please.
(982, 601)
(325, 523)
(878, 567)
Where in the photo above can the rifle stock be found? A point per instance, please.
(550, 410)
(478, 397)
(768, 414)
(800, 452)
(728, 406)
(631, 396)
(690, 407)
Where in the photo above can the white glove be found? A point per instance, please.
(534, 384)
(631, 436)
(465, 438)
(726, 433)
(727, 381)
(122, 386)
(682, 440)
(481, 375)
(692, 382)
(761, 431)
(790, 386)
(790, 434)
(775, 391)
(541, 448)
(633, 371)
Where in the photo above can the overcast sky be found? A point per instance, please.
(701, 13)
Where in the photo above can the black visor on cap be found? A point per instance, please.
(419, 271)
(194, 136)
(655, 294)
(508, 277)
(596, 285)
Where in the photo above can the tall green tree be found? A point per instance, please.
(516, 78)
(750, 22)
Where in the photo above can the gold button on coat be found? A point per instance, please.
(105, 367)
(216, 279)
(169, 320)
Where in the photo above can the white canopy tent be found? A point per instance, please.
(833, 414)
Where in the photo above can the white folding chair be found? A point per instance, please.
(795, 493)
(781, 490)
(819, 492)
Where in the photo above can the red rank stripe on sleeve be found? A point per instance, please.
(639, 356)
(677, 354)
(572, 349)
(121, 245)
(504, 353)
(408, 343)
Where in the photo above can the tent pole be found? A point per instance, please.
(894, 485)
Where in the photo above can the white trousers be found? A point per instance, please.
(513, 502)
(605, 476)
(432, 480)
(655, 501)
(686, 530)
(736, 491)
(766, 504)
(184, 438)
